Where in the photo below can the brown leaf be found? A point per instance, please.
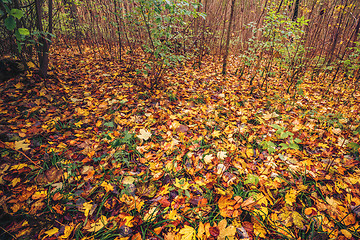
(51, 175)
(214, 231)
(182, 128)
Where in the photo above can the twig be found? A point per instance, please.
(21, 153)
(6, 231)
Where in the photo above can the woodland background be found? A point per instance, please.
(175, 119)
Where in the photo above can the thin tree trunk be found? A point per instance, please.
(336, 35)
(118, 28)
(75, 22)
(296, 10)
(44, 40)
(228, 37)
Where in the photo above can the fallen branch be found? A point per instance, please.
(8, 147)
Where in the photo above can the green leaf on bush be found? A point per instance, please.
(353, 146)
(24, 31)
(16, 13)
(252, 179)
(294, 146)
(283, 146)
(268, 145)
(10, 23)
(109, 124)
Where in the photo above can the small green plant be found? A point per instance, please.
(278, 44)
(164, 24)
(127, 153)
(172, 96)
(12, 16)
(354, 148)
(269, 146)
(251, 179)
(280, 131)
(292, 144)
(282, 134)
(351, 65)
(199, 99)
(63, 126)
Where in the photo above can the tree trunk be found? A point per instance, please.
(118, 28)
(44, 41)
(296, 10)
(75, 23)
(228, 37)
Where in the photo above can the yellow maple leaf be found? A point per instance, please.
(15, 181)
(172, 236)
(267, 116)
(164, 190)
(98, 123)
(67, 232)
(187, 232)
(346, 233)
(144, 135)
(201, 232)
(96, 226)
(23, 144)
(343, 120)
(19, 85)
(86, 208)
(62, 145)
(216, 134)
(18, 166)
(297, 127)
(151, 214)
(181, 183)
(298, 220)
(249, 152)
(221, 155)
(52, 231)
(290, 196)
(129, 221)
(323, 145)
(108, 187)
(39, 194)
(259, 230)
(173, 214)
(208, 158)
(336, 130)
(226, 232)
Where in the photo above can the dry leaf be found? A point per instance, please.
(226, 232)
(188, 233)
(221, 155)
(23, 145)
(86, 208)
(107, 186)
(52, 231)
(208, 158)
(144, 134)
(102, 222)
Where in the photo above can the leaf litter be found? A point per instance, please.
(88, 154)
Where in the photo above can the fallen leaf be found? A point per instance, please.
(188, 233)
(107, 186)
(144, 134)
(346, 233)
(95, 227)
(226, 232)
(208, 158)
(221, 155)
(52, 231)
(86, 208)
(23, 144)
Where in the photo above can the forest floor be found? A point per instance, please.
(86, 154)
